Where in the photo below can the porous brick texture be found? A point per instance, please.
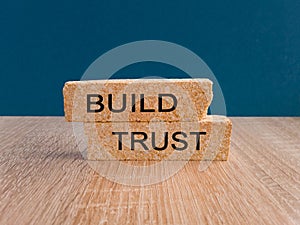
(214, 145)
(193, 99)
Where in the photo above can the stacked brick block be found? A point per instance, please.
(153, 120)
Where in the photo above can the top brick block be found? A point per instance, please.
(137, 100)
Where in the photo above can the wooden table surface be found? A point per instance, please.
(45, 180)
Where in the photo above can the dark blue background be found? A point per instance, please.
(253, 48)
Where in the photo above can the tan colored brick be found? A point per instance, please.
(214, 145)
(193, 99)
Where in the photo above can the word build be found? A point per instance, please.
(137, 100)
(140, 100)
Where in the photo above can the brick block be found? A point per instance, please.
(208, 139)
(137, 100)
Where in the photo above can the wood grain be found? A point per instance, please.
(45, 180)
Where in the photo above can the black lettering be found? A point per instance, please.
(111, 107)
(185, 144)
(99, 102)
(198, 138)
(160, 98)
(143, 105)
(133, 102)
(165, 142)
(119, 138)
(141, 141)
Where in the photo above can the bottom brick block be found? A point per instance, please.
(208, 139)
